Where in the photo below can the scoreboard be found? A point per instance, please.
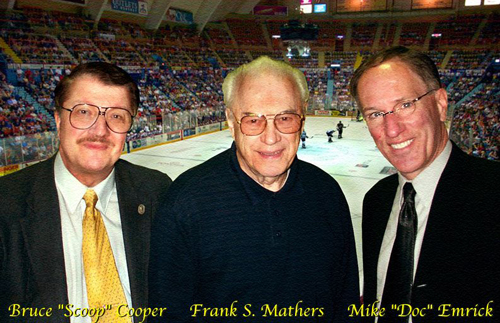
(310, 6)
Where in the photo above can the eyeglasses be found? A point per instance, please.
(254, 124)
(84, 116)
(403, 109)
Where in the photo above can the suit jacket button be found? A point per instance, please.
(141, 209)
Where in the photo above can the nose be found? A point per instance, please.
(393, 125)
(100, 127)
(271, 135)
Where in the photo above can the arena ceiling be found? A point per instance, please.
(205, 10)
(215, 9)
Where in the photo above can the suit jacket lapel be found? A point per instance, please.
(42, 232)
(135, 213)
(376, 212)
(386, 199)
(440, 223)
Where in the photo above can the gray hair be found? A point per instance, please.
(259, 66)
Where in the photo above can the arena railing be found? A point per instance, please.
(22, 151)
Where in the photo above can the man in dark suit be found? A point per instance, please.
(430, 232)
(46, 255)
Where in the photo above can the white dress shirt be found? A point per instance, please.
(72, 207)
(425, 186)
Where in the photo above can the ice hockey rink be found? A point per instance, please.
(354, 161)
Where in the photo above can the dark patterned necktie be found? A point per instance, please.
(399, 280)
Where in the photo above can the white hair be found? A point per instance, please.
(264, 65)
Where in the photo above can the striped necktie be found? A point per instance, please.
(399, 280)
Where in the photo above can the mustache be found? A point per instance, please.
(94, 139)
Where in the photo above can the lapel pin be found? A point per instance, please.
(141, 209)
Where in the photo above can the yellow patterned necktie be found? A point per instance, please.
(104, 288)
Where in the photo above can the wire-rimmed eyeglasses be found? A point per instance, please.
(252, 124)
(84, 116)
(403, 109)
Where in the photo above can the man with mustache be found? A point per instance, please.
(74, 230)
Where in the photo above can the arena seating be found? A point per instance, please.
(305, 62)
(82, 49)
(276, 54)
(464, 83)
(180, 73)
(476, 121)
(461, 60)
(328, 33)
(247, 36)
(363, 35)
(413, 34)
(436, 56)
(233, 58)
(273, 28)
(72, 22)
(37, 49)
(387, 35)
(119, 52)
(18, 117)
(489, 34)
(457, 30)
(219, 36)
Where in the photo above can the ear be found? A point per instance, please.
(57, 117)
(230, 120)
(442, 103)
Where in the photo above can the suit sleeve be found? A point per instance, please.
(172, 263)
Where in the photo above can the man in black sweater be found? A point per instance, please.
(254, 234)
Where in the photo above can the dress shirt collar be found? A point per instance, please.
(72, 190)
(426, 182)
(256, 192)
